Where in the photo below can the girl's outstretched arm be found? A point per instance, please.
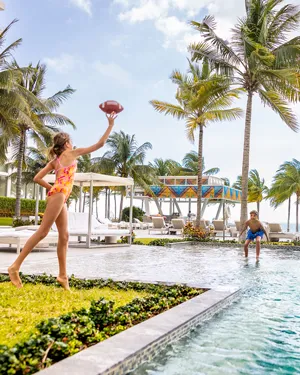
(87, 150)
(38, 178)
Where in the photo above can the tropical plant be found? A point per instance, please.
(286, 183)
(43, 120)
(259, 59)
(167, 167)
(190, 163)
(203, 97)
(127, 159)
(257, 190)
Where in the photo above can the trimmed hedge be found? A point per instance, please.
(7, 207)
(57, 338)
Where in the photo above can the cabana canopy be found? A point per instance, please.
(85, 179)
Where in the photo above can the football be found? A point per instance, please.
(111, 106)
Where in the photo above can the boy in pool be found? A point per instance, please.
(255, 232)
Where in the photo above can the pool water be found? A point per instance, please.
(258, 334)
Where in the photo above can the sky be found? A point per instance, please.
(126, 50)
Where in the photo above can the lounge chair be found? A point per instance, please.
(159, 225)
(235, 231)
(178, 226)
(20, 236)
(78, 226)
(141, 224)
(108, 222)
(276, 233)
(220, 227)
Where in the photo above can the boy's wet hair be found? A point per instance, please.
(254, 212)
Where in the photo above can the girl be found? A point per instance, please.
(64, 164)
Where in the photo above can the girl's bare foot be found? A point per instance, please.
(15, 277)
(64, 282)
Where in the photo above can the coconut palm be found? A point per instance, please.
(257, 188)
(42, 115)
(190, 163)
(287, 183)
(260, 59)
(127, 158)
(166, 167)
(203, 98)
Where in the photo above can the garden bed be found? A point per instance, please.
(68, 323)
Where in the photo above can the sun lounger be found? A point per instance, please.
(220, 227)
(159, 225)
(276, 233)
(20, 236)
(78, 226)
(178, 226)
(141, 224)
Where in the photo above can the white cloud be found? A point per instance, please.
(84, 5)
(114, 71)
(64, 63)
(175, 29)
(147, 10)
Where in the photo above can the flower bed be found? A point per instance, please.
(57, 338)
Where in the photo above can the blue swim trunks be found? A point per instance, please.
(252, 236)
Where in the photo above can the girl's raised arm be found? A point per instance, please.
(87, 150)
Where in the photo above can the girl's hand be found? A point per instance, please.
(111, 118)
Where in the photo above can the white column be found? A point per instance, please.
(88, 239)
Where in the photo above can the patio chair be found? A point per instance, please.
(220, 226)
(141, 224)
(276, 233)
(19, 236)
(235, 231)
(159, 225)
(178, 226)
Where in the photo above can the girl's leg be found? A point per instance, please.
(62, 247)
(54, 205)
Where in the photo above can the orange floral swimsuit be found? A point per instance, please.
(64, 183)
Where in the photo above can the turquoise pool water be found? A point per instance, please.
(258, 334)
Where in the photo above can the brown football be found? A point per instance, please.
(111, 106)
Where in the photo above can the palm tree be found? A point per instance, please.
(128, 160)
(42, 115)
(257, 188)
(259, 59)
(286, 183)
(203, 97)
(166, 167)
(190, 163)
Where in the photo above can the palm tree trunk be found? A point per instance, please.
(258, 207)
(108, 204)
(289, 215)
(121, 206)
(200, 172)
(19, 174)
(105, 202)
(246, 156)
(115, 198)
(297, 213)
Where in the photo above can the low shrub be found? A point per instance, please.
(58, 338)
(22, 223)
(7, 207)
(196, 234)
(137, 213)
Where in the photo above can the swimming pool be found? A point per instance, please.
(259, 334)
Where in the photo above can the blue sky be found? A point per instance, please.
(126, 50)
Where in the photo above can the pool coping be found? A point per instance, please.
(127, 350)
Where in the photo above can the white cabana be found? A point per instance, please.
(92, 180)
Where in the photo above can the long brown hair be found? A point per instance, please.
(59, 144)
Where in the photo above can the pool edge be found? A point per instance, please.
(129, 349)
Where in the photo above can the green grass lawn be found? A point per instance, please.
(145, 241)
(22, 309)
(6, 221)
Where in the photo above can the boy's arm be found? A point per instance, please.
(245, 226)
(263, 229)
